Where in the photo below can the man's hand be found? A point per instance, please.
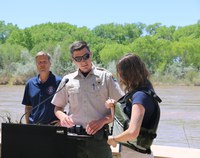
(94, 126)
(67, 121)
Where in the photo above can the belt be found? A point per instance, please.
(77, 129)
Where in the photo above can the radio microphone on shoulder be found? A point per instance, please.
(65, 82)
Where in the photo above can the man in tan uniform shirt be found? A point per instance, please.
(85, 93)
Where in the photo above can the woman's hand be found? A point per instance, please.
(111, 141)
(110, 103)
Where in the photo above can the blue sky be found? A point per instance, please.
(90, 13)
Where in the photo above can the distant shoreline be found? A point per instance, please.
(154, 83)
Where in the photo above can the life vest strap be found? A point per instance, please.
(132, 146)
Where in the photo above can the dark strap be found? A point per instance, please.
(153, 94)
(131, 146)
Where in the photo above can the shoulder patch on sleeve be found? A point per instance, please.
(114, 79)
(101, 69)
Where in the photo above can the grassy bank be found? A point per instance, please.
(190, 79)
(175, 74)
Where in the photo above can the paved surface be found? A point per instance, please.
(167, 152)
(161, 152)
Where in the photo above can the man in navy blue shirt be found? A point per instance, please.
(38, 89)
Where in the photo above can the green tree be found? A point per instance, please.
(5, 31)
(119, 33)
(9, 54)
(113, 52)
(152, 29)
(52, 32)
(187, 31)
(187, 52)
(154, 52)
(164, 32)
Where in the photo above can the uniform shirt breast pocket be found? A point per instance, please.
(73, 95)
(97, 90)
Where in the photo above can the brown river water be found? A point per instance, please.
(180, 113)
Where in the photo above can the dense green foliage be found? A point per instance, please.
(170, 53)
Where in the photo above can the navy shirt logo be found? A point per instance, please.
(50, 90)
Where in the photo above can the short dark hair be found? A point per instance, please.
(78, 45)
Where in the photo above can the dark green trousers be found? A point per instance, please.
(93, 148)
